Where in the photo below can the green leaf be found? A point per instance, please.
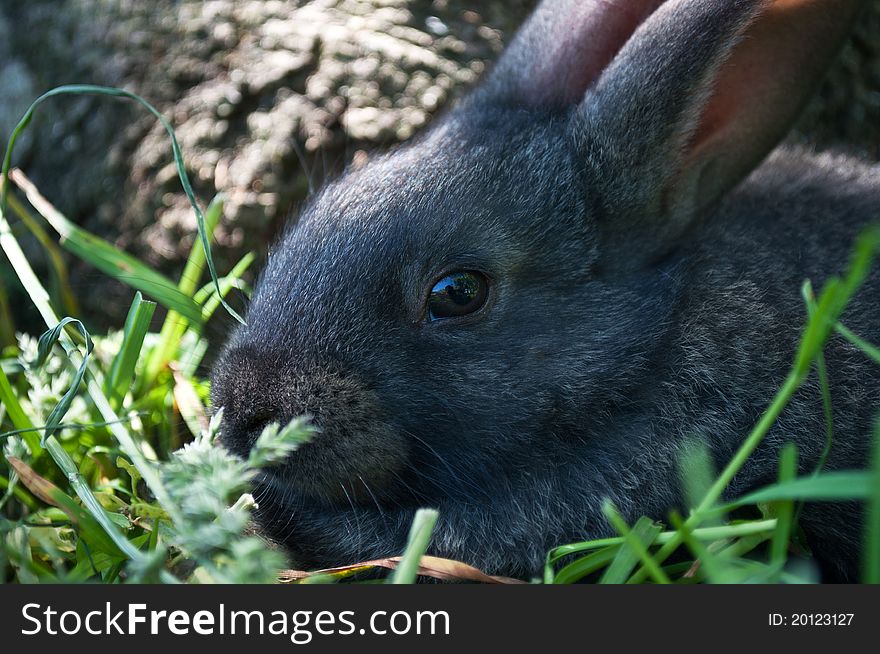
(710, 564)
(122, 369)
(419, 537)
(18, 416)
(127, 443)
(87, 524)
(87, 89)
(195, 263)
(831, 303)
(124, 464)
(736, 530)
(836, 486)
(586, 565)
(835, 296)
(869, 349)
(784, 509)
(635, 544)
(110, 260)
(65, 294)
(645, 531)
(824, 386)
(232, 280)
(175, 323)
(696, 471)
(45, 345)
(871, 544)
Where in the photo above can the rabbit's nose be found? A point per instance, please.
(245, 384)
(256, 387)
(354, 446)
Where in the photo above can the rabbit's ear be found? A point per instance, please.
(675, 101)
(699, 94)
(562, 49)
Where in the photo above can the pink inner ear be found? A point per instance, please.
(762, 73)
(585, 38)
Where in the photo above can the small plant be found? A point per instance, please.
(209, 485)
(103, 417)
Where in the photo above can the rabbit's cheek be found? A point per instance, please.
(354, 456)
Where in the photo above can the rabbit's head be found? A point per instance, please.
(469, 319)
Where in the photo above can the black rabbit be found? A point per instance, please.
(539, 302)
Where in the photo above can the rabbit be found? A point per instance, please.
(591, 260)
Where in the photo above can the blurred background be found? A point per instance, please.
(268, 99)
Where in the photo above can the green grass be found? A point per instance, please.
(110, 470)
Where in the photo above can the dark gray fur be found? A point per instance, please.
(642, 297)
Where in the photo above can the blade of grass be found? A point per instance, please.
(871, 553)
(195, 263)
(100, 538)
(57, 451)
(743, 545)
(645, 531)
(137, 323)
(780, 401)
(207, 296)
(87, 89)
(784, 509)
(107, 258)
(711, 566)
(59, 267)
(175, 323)
(633, 542)
(584, 566)
(419, 537)
(40, 299)
(46, 343)
(696, 471)
(834, 298)
(824, 387)
(824, 487)
(64, 425)
(193, 358)
(738, 530)
(871, 350)
(18, 417)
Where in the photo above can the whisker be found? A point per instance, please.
(376, 502)
(437, 482)
(466, 480)
(357, 521)
(417, 496)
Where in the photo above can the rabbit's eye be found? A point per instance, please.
(458, 294)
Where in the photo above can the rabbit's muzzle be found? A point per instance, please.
(354, 456)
